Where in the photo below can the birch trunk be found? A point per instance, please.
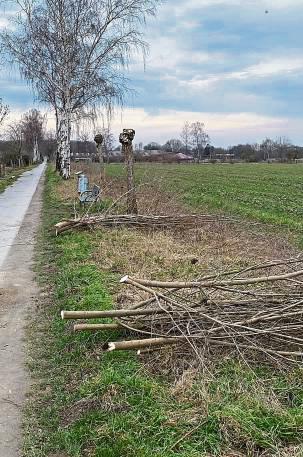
(64, 152)
(36, 155)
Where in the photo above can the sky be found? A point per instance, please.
(235, 65)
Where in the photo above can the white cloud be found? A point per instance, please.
(264, 69)
(224, 128)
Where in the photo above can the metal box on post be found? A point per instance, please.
(83, 183)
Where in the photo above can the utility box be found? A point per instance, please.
(83, 183)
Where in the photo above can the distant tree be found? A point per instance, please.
(108, 142)
(186, 136)
(283, 145)
(209, 151)
(49, 145)
(268, 147)
(152, 146)
(32, 124)
(173, 145)
(244, 152)
(199, 138)
(3, 113)
(4, 110)
(15, 137)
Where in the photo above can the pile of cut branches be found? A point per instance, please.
(183, 221)
(255, 310)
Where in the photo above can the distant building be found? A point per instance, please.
(180, 157)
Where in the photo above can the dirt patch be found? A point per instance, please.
(89, 405)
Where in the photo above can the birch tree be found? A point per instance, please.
(32, 125)
(74, 53)
(185, 135)
(199, 138)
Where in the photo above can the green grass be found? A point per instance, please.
(270, 193)
(12, 176)
(85, 402)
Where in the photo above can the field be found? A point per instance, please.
(270, 193)
(87, 403)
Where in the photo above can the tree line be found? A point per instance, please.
(195, 141)
(74, 54)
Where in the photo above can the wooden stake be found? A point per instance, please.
(133, 345)
(199, 284)
(111, 313)
(96, 327)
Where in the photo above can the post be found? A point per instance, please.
(99, 141)
(126, 138)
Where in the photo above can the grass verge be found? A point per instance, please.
(12, 176)
(88, 403)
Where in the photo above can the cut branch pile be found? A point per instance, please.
(183, 221)
(256, 310)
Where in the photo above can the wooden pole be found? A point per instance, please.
(97, 327)
(140, 344)
(199, 284)
(126, 139)
(111, 313)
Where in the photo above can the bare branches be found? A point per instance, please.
(185, 221)
(74, 54)
(266, 322)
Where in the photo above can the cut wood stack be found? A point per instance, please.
(183, 221)
(256, 310)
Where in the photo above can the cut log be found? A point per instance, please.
(111, 313)
(200, 284)
(134, 345)
(96, 327)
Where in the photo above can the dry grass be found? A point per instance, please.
(214, 398)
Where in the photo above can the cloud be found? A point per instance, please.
(283, 66)
(224, 62)
(224, 128)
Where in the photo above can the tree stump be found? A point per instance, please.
(99, 140)
(126, 139)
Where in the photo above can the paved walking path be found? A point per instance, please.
(14, 203)
(20, 207)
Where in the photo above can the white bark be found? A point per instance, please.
(36, 155)
(64, 133)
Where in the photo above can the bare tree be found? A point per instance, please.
(173, 145)
(32, 124)
(268, 147)
(108, 142)
(4, 110)
(15, 136)
(74, 53)
(186, 136)
(283, 145)
(199, 138)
